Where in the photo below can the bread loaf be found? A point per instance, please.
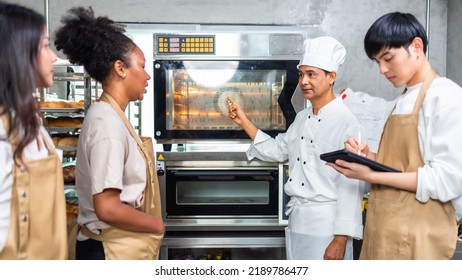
(64, 122)
(69, 174)
(55, 140)
(75, 104)
(54, 104)
(70, 141)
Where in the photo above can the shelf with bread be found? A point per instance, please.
(69, 176)
(67, 143)
(63, 107)
(60, 117)
(63, 126)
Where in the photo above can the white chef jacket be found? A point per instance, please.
(108, 157)
(440, 133)
(31, 152)
(309, 177)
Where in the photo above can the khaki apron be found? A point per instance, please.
(38, 208)
(120, 244)
(398, 226)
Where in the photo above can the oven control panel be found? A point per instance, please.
(160, 165)
(185, 44)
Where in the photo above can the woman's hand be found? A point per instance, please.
(111, 210)
(352, 144)
(352, 170)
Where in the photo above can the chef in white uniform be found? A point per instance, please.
(325, 207)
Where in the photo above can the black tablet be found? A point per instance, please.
(351, 157)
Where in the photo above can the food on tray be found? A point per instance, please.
(75, 104)
(54, 104)
(64, 122)
(61, 104)
(70, 141)
(69, 174)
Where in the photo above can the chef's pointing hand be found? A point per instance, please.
(236, 113)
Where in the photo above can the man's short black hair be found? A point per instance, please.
(393, 30)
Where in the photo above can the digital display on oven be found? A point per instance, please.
(185, 44)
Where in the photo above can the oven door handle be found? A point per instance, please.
(184, 173)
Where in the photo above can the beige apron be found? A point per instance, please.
(38, 209)
(398, 226)
(120, 244)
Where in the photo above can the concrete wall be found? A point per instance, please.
(347, 20)
(454, 53)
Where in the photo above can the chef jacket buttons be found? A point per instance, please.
(24, 194)
(319, 120)
(24, 218)
(298, 159)
(290, 180)
(302, 137)
(309, 117)
(303, 184)
(311, 141)
(304, 162)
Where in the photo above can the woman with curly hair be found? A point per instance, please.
(32, 202)
(119, 199)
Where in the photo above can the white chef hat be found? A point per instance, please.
(323, 52)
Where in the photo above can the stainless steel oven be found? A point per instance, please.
(218, 190)
(219, 205)
(221, 192)
(195, 70)
(215, 201)
(224, 245)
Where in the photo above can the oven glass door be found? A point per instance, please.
(222, 193)
(190, 97)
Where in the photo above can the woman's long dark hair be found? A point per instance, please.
(21, 31)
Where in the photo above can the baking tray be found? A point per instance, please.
(67, 148)
(63, 129)
(61, 110)
(68, 76)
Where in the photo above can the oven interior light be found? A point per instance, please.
(211, 74)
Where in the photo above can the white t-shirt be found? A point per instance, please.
(107, 157)
(440, 134)
(31, 152)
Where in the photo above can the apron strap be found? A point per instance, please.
(429, 77)
(109, 99)
(13, 139)
(48, 145)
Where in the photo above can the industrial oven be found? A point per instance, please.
(215, 202)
